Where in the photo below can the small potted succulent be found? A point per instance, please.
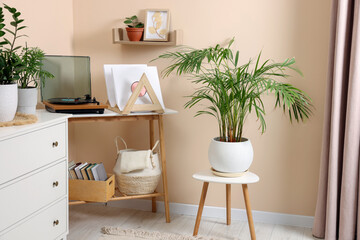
(233, 91)
(29, 80)
(134, 28)
(10, 63)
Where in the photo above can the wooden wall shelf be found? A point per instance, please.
(120, 37)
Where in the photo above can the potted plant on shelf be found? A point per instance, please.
(134, 28)
(10, 64)
(233, 92)
(29, 80)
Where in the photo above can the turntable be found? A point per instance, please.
(72, 101)
(74, 105)
(70, 89)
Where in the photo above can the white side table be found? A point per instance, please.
(207, 177)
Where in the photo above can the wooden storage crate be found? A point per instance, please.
(92, 191)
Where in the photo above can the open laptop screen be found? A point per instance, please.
(72, 77)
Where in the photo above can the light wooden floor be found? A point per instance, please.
(87, 220)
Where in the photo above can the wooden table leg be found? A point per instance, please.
(152, 142)
(201, 207)
(163, 164)
(228, 204)
(248, 211)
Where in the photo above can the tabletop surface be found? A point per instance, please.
(44, 118)
(109, 113)
(208, 176)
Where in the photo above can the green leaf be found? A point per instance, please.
(10, 9)
(7, 41)
(16, 48)
(22, 35)
(127, 21)
(236, 58)
(9, 31)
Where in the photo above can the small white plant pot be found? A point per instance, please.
(27, 100)
(8, 102)
(230, 157)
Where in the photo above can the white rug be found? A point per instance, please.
(117, 233)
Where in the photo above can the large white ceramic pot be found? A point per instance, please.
(8, 102)
(230, 157)
(27, 100)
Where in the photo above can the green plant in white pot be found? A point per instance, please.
(29, 80)
(10, 64)
(233, 92)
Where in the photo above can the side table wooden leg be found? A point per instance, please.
(153, 204)
(163, 164)
(152, 142)
(201, 207)
(248, 211)
(228, 204)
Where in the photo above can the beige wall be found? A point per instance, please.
(286, 156)
(50, 24)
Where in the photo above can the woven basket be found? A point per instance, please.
(140, 181)
(135, 185)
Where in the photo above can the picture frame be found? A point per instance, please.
(157, 25)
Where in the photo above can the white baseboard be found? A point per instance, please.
(219, 212)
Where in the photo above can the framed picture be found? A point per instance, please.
(157, 22)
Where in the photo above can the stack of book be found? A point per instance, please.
(87, 171)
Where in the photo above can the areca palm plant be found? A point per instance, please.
(234, 90)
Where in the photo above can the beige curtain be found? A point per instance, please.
(337, 213)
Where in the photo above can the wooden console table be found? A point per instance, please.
(149, 116)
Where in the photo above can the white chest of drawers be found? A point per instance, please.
(34, 180)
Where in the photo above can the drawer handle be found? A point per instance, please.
(55, 184)
(55, 144)
(55, 223)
